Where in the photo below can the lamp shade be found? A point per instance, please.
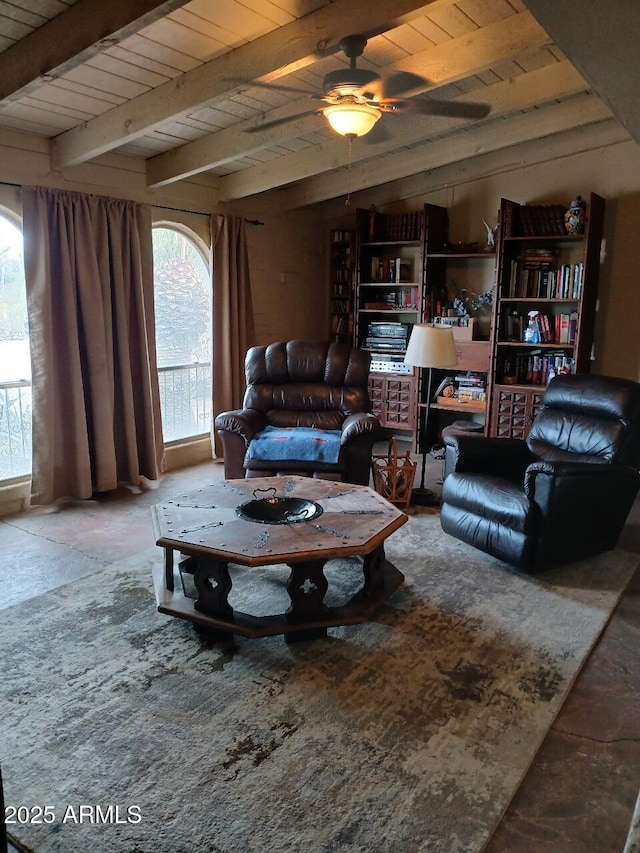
(351, 119)
(431, 346)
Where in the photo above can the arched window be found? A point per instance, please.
(182, 288)
(15, 361)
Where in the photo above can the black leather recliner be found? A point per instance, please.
(313, 385)
(561, 495)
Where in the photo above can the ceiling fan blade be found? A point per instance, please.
(403, 82)
(380, 133)
(424, 106)
(267, 125)
(274, 86)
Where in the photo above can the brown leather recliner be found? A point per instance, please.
(561, 495)
(295, 389)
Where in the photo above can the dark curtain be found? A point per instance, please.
(96, 406)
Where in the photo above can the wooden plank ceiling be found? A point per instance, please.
(172, 83)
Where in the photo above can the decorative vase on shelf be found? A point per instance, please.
(575, 215)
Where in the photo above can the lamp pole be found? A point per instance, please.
(429, 347)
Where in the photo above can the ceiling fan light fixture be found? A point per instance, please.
(351, 119)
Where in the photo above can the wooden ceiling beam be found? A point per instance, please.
(71, 38)
(268, 57)
(555, 118)
(448, 62)
(551, 82)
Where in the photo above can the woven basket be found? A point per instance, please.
(393, 475)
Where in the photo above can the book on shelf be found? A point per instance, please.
(392, 270)
(535, 367)
(341, 324)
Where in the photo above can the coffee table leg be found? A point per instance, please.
(213, 583)
(307, 587)
(168, 569)
(373, 568)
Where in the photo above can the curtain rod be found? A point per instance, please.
(160, 206)
(199, 213)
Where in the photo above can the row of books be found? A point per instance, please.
(395, 226)
(340, 306)
(342, 236)
(548, 328)
(341, 324)
(342, 288)
(535, 368)
(391, 269)
(342, 274)
(399, 298)
(543, 280)
(539, 220)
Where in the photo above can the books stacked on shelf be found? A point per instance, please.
(392, 300)
(548, 328)
(535, 368)
(341, 236)
(471, 387)
(540, 220)
(393, 270)
(387, 336)
(533, 274)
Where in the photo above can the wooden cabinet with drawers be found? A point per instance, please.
(394, 400)
(513, 411)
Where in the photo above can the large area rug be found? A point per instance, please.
(410, 733)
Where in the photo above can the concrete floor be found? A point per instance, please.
(580, 791)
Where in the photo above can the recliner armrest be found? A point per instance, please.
(479, 454)
(244, 422)
(586, 475)
(360, 423)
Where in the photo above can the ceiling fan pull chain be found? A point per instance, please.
(348, 198)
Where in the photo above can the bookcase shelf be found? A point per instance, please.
(341, 270)
(554, 275)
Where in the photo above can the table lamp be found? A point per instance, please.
(429, 346)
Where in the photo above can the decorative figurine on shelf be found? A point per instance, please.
(491, 236)
(575, 216)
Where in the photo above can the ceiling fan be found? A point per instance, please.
(357, 98)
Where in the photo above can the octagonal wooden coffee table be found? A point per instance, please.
(212, 534)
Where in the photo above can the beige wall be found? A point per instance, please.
(472, 191)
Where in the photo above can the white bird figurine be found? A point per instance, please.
(491, 234)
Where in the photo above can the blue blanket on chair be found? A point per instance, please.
(295, 444)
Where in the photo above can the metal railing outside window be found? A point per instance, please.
(15, 429)
(185, 400)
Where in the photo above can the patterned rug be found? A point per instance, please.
(409, 733)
